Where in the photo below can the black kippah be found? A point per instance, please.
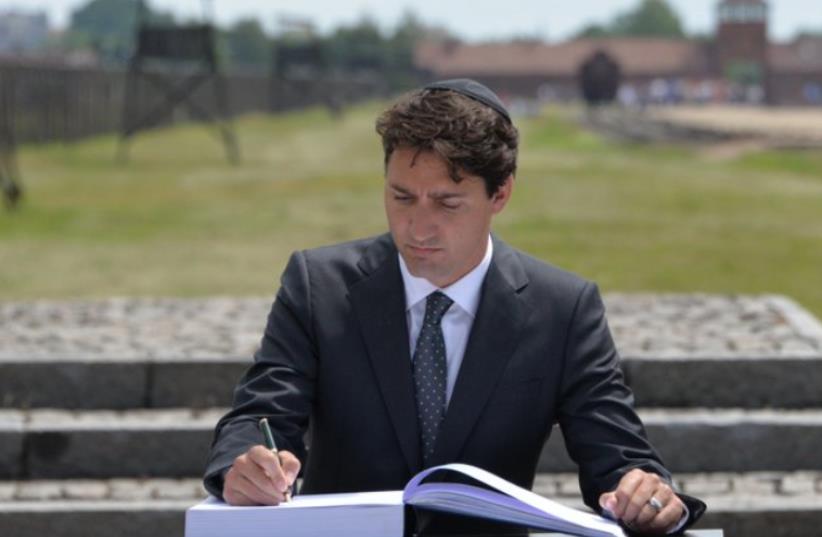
(474, 90)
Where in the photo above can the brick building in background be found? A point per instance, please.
(738, 63)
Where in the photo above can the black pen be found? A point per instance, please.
(269, 443)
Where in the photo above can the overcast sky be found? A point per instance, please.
(471, 19)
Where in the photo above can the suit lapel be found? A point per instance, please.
(494, 334)
(379, 304)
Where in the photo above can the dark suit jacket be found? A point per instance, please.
(335, 359)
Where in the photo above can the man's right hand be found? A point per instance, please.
(260, 477)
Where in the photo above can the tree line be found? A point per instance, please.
(107, 27)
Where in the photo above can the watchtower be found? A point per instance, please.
(9, 180)
(742, 39)
(175, 61)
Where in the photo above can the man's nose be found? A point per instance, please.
(422, 225)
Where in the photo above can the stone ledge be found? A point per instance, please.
(99, 382)
(779, 382)
(55, 444)
(89, 520)
(739, 440)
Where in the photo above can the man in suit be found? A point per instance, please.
(439, 343)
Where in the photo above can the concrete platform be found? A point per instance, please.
(107, 408)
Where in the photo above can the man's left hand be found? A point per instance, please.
(644, 503)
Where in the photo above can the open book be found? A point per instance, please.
(380, 514)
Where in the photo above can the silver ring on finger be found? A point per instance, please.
(655, 504)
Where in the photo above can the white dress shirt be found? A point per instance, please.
(457, 321)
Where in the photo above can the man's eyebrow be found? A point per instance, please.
(447, 195)
(399, 189)
(435, 195)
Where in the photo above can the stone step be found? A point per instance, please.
(58, 444)
(757, 504)
(97, 383)
(119, 383)
(728, 440)
(100, 444)
(754, 505)
(714, 382)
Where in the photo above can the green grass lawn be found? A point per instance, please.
(179, 220)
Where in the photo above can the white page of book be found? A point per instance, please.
(550, 508)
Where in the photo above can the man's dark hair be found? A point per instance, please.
(467, 134)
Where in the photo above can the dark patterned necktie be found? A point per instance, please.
(430, 372)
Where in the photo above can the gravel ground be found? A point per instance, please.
(643, 325)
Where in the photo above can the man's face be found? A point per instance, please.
(440, 227)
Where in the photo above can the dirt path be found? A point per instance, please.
(789, 124)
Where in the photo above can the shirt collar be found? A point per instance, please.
(465, 292)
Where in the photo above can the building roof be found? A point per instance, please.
(803, 55)
(636, 56)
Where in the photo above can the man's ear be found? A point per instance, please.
(503, 194)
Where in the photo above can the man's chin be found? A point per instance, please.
(422, 268)
(419, 268)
